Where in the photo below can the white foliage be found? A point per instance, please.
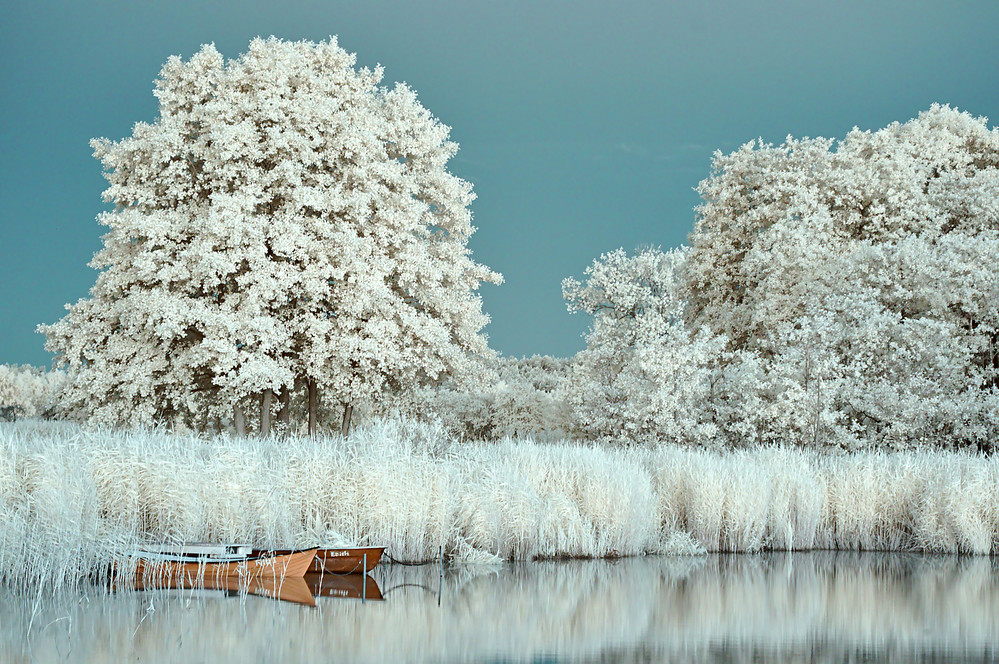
(864, 276)
(833, 294)
(29, 391)
(505, 397)
(283, 219)
(644, 376)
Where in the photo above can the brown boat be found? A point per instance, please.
(340, 561)
(265, 565)
(343, 586)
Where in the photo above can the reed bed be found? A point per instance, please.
(74, 499)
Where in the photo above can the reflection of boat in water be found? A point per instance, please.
(345, 586)
(264, 565)
(298, 590)
(278, 574)
(287, 589)
(340, 561)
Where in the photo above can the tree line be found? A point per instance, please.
(286, 238)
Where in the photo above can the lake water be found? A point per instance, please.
(813, 607)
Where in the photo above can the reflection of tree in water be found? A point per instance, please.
(820, 606)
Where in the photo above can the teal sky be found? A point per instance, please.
(583, 125)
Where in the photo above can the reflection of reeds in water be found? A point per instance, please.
(72, 500)
(816, 606)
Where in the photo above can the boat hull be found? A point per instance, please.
(290, 564)
(342, 561)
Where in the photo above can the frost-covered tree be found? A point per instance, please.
(864, 275)
(508, 396)
(29, 392)
(284, 224)
(840, 294)
(644, 376)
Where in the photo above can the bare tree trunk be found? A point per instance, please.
(348, 412)
(284, 415)
(313, 406)
(265, 411)
(239, 420)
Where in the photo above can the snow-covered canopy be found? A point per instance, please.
(834, 293)
(284, 219)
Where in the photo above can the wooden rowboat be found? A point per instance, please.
(340, 561)
(266, 565)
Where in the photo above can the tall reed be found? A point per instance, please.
(73, 499)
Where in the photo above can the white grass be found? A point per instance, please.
(70, 498)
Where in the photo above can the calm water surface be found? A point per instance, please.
(810, 607)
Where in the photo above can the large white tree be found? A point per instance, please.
(865, 275)
(841, 294)
(285, 223)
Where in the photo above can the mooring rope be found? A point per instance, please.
(415, 563)
(359, 565)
